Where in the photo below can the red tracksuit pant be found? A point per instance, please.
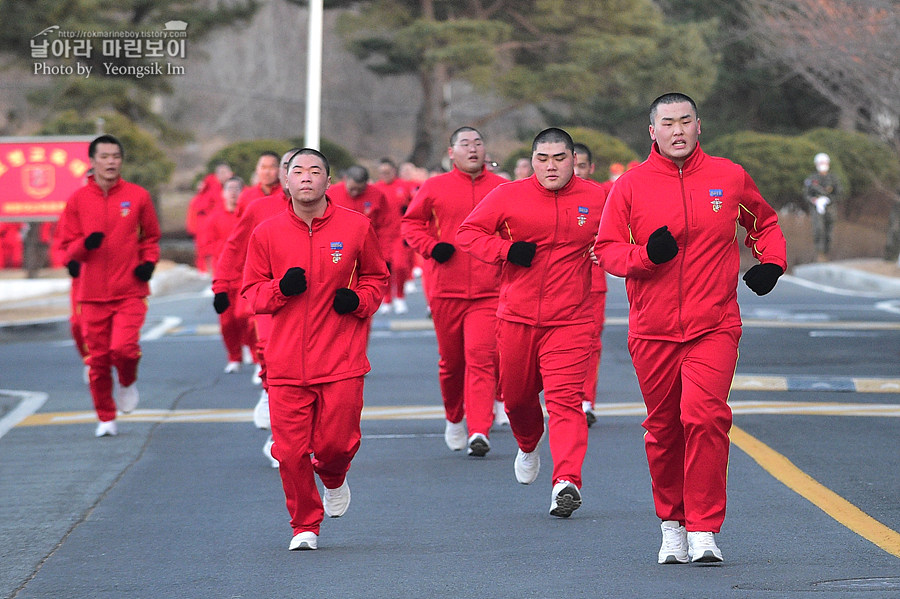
(236, 329)
(401, 272)
(262, 328)
(466, 332)
(316, 431)
(598, 306)
(553, 359)
(111, 332)
(685, 388)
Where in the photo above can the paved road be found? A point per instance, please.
(183, 504)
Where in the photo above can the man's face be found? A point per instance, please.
(107, 162)
(386, 173)
(354, 188)
(223, 173)
(675, 130)
(267, 170)
(230, 192)
(583, 168)
(553, 164)
(307, 180)
(467, 153)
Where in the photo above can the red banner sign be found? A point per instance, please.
(39, 174)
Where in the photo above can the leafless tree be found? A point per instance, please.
(847, 50)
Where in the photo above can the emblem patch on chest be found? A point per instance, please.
(716, 202)
(582, 215)
(336, 247)
(125, 207)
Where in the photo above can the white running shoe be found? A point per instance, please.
(409, 287)
(384, 308)
(527, 465)
(261, 411)
(267, 451)
(400, 306)
(455, 435)
(674, 548)
(564, 499)
(232, 367)
(336, 501)
(417, 272)
(246, 355)
(86, 376)
(128, 398)
(500, 417)
(304, 541)
(702, 547)
(106, 429)
(478, 445)
(256, 379)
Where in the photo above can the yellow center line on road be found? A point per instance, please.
(822, 497)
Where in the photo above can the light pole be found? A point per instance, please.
(314, 75)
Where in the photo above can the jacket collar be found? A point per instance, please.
(662, 163)
(93, 184)
(466, 176)
(318, 222)
(544, 191)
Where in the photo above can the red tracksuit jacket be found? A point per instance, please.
(229, 268)
(434, 215)
(554, 290)
(702, 203)
(310, 342)
(126, 217)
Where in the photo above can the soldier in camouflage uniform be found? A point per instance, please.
(823, 192)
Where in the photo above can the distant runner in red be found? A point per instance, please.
(398, 194)
(266, 175)
(229, 274)
(317, 268)
(584, 168)
(463, 292)
(669, 229)
(203, 203)
(110, 228)
(540, 231)
(235, 327)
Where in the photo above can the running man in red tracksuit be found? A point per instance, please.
(540, 230)
(669, 229)
(318, 269)
(110, 228)
(229, 275)
(398, 194)
(463, 292)
(234, 326)
(584, 168)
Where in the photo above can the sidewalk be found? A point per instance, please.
(46, 299)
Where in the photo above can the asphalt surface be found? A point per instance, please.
(183, 504)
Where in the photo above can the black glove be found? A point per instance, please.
(345, 301)
(74, 268)
(761, 278)
(92, 241)
(442, 251)
(293, 282)
(220, 302)
(144, 270)
(521, 253)
(661, 247)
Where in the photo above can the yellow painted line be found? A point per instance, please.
(822, 497)
(759, 383)
(854, 325)
(437, 411)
